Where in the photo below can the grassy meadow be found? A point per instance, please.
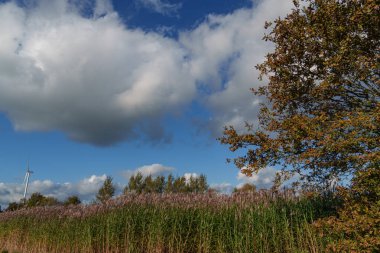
(255, 222)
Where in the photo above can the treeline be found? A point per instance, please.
(161, 184)
(138, 184)
(37, 199)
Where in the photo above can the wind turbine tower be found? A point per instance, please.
(26, 180)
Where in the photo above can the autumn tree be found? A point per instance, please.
(107, 191)
(322, 115)
(359, 218)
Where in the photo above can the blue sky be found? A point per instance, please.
(94, 88)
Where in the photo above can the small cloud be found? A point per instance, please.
(153, 170)
(263, 179)
(187, 176)
(161, 7)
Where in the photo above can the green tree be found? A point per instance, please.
(179, 185)
(191, 185)
(72, 200)
(107, 191)
(159, 184)
(148, 185)
(13, 206)
(247, 187)
(202, 185)
(37, 199)
(169, 184)
(131, 187)
(139, 183)
(323, 113)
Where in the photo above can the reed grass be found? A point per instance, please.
(167, 223)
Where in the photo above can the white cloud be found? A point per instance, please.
(91, 78)
(10, 193)
(100, 82)
(224, 52)
(153, 170)
(86, 189)
(188, 175)
(263, 179)
(161, 6)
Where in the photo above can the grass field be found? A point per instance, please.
(257, 222)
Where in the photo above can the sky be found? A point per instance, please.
(96, 88)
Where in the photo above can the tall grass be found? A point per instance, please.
(166, 223)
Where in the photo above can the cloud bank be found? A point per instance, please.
(85, 189)
(100, 82)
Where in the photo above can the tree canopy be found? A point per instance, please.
(148, 184)
(106, 191)
(322, 116)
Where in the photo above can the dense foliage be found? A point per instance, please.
(140, 184)
(356, 228)
(322, 119)
(323, 116)
(37, 199)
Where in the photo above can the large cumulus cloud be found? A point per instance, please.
(99, 82)
(91, 78)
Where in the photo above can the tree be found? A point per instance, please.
(159, 184)
(138, 184)
(322, 119)
(358, 220)
(72, 200)
(38, 199)
(246, 188)
(106, 191)
(13, 206)
(169, 188)
(202, 185)
(191, 185)
(179, 185)
(148, 184)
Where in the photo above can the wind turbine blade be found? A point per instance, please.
(26, 175)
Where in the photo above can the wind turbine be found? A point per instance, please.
(26, 180)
